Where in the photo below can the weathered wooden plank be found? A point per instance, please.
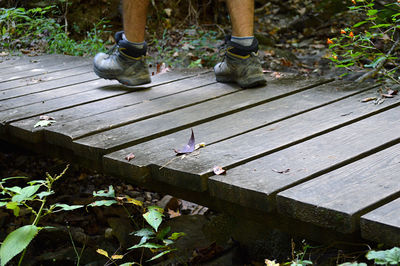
(337, 200)
(33, 66)
(162, 87)
(383, 224)
(131, 134)
(91, 91)
(7, 61)
(68, 64)
(228, 150)
(16, 84)
(14, 98)
(72, 96)
(119, 117)
(255, 184)
(50, 95)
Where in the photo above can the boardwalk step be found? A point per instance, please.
(382, 225)
(337, 199)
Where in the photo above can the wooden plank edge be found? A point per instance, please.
(333, 219)
(375, 227)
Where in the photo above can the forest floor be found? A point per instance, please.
(77, 235)
(293, 43)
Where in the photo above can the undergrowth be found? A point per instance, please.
(37, 29)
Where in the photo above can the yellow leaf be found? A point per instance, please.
(102, 252)
(134, 201)
(117, 257)
(271, 263)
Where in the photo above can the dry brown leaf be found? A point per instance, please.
(130, 156)
(368, 99)
(173, 214)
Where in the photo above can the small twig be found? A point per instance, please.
(263, 8)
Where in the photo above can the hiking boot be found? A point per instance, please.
(241, 64)
(123, 62)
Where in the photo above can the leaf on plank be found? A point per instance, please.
(44, 123)
(368, 99)
(392, 92)
(188, 148)
(130, 156)
(218, 170)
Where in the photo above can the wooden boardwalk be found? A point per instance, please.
(303, 155)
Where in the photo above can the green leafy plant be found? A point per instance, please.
(158, 240)
(299, 257)
(372, 43)
(385, 257)
(38, 29)
(195, 48)
(16, 198)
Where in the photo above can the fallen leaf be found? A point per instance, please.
(286, 62)
(385, 95)
(276, 75)
(117, 257)
(173, 214)
(218, 170)
(130, 156)
(44, 123)
(162, 68)
(271, 263)
(188, 148)
(368, 99)
(282, 171)
(46, 117)
(134, 201)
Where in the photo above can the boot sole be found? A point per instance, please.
(245, 84)
(122, 79)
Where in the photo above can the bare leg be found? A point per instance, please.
(134, 19)
(242, 17)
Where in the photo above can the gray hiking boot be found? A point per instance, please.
(123, 62)
(241, 65)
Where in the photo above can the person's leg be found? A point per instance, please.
(126, 61)
(241, 63)
(242, 17)
(134, 19)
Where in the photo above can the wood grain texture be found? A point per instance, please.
(48, 91)
(24, 86)
(40, 68)
(10, 61)
(382, 225)
(24, 128)
(70, 96)
(255, 184)
(227, 147)
(155, 127)
(337, 200)
(133, 113)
